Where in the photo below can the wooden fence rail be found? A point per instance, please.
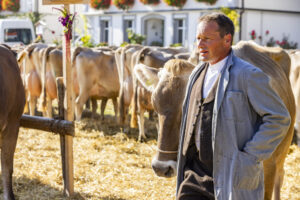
(62, 127)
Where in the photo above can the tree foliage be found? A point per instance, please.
(233, 15)
(135, 38)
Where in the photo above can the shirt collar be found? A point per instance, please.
(217, 67)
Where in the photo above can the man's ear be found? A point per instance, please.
(228, 39)
(147, 76)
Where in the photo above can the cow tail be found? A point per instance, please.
(45, 54)
(133, 122)
(121, 102)
(75, 54)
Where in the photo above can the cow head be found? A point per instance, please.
(168, 89)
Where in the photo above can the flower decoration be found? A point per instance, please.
(100, 4)
(66, 20)
(253, 35)
(11, 5)
(176, 3)
(210, 2)
(123, 4)
(152, 2)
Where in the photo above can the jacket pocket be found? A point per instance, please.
(234, 106)
(247, 173)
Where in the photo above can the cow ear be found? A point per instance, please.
(147, 76)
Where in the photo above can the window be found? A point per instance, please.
(179, 31)
(18, 35)
(128, 25)
(104, 31)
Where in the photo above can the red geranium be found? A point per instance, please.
(153, 2)
(11, 5)
(100, 4)
(123, 4)
(176, 3)
(253, 35)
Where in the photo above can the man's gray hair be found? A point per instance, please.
(226, 26)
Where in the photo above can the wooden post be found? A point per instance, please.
(69, 113)
(61, 115)
(67, 140)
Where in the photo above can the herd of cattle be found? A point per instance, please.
(137, 77)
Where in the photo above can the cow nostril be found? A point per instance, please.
(169, 172)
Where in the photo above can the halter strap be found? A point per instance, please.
(163, 151)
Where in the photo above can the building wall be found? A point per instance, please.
(287, 5)
(258, 18)
(278, 25)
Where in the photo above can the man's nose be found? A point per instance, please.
(200, 44)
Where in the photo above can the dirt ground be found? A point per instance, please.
(108, 165)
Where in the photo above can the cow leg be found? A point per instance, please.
(9, 140)
(151, 113)
(103, 105)
(269, 177)
(94, 107)
(32, 105)
(278, 183)
(141, 121)
(80, 100)
(115, 102)
(49, 107)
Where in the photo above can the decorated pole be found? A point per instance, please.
(69, 113)
(67, 140)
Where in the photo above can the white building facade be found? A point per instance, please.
(165, 25)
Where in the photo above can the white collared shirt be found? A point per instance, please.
(212, 75)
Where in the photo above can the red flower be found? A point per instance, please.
(253, 32)
(53, 32)
(267, 32)
(11, 5)
(277, 42)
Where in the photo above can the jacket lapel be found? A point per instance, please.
(222, 86)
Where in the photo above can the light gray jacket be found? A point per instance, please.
(249, 121)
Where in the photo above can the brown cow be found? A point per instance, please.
(51, 69)
(124, 57)
(12, 101)
(97, 76)
(30, 64)
(168, 97)
(295, 82)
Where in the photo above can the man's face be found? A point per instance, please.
(212, 48)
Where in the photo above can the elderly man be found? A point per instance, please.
(232, 121)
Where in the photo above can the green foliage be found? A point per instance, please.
(100, 4)
(123, 4)
(150, 2)
(10, 5)
(34, 17)
(124, 44)
(156, 43)
(284, 43)
(86, 41)
(176, 3)
(233, 15)
(176, 45)
(102, 44)
(210, 2)
(86, 38)
(57, 42)
(135, 38)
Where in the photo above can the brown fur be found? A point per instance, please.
(12, 101)
(258, 56)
